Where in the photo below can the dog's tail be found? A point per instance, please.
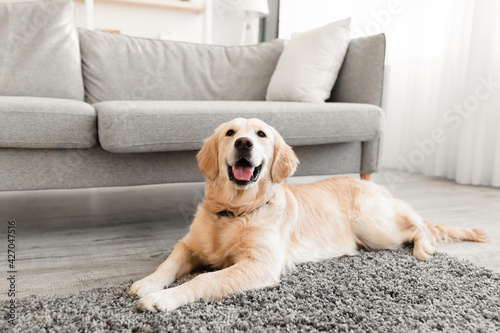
(443, 233)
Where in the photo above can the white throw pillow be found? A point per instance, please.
(310, 63)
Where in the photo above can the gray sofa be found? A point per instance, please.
(149, 104)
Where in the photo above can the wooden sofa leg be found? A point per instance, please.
(365, 176)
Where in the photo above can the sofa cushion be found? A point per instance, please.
(34, 122)
(152, 126)
(118, 67)
(39, 52)
(309, 64)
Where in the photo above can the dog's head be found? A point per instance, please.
(246, 152)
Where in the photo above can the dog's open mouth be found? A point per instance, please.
(243, 172)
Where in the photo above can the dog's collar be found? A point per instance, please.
(230, 214)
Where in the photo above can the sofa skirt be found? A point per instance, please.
(37, 169)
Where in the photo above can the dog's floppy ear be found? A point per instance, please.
(285, 161)
(208, 157)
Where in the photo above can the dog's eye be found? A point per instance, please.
(230, 133)
(261, 134)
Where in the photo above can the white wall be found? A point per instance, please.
(172, 24)
(144, 21)
(368, 17)
(227, 31)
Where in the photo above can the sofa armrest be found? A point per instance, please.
(361, 77)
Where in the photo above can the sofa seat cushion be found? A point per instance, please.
(35, 122)
(153, 126)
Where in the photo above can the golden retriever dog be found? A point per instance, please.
(253, 226)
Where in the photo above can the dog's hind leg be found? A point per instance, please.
(422, 247)
(387, 223)
(412, 230)
(375, 227)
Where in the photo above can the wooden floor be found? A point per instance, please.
(71, 240)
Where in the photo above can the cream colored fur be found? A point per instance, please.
(276, 226)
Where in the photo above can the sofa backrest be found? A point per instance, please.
(361, 77)
(119, 67)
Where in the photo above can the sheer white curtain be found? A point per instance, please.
(442, 94)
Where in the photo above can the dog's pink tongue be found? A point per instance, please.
(243, 172)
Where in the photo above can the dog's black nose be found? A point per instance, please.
(243, 144)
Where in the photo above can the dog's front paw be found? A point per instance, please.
(148, 285)
(161, 301)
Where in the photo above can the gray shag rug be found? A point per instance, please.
(384, 291)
